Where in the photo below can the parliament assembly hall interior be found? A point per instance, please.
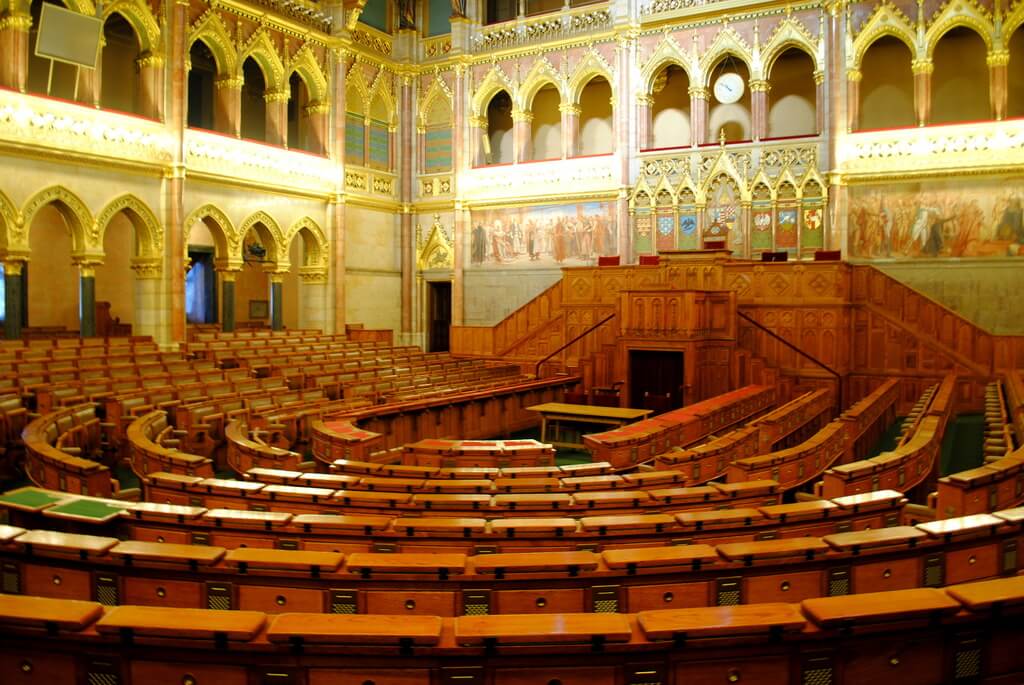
(511, 342)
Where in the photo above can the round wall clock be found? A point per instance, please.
(729, 88)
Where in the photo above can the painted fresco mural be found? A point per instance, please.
(552, 235)
(937, 219)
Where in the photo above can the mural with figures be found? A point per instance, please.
(937, 219)
(552, 235)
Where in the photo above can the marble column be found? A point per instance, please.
(759, 109)
(174, 182)
(922, 90)
(522, 134)
(336, 205)
(14, 32)
(227, 299)
(406, 159)
(87, 297)
(570, 130)
(277, 116)
(997, 82)
(148, 314)
(460, 161)
(819, 102)
(698, 115)
(313, 301)
(13, 298)
(478, 133)
(853, 77)
(151, 85)
(644, 112)
(318, 127)
(276, 301)
(336, 217)
(227, 106)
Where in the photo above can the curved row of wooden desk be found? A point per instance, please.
(915, 637)
(330, 575)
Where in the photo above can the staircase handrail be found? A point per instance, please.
(536, 368)
(812, 358)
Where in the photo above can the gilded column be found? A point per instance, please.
(570, 130)
(276, 301)
(277, 116)
(759, 108)
(148, 309)
(644, 110)
(853, 77)
(14, 32)
(698, 115)
(997, 82)
(522, 132)
(151, 85)
(227, 106)
(87, 296)
(922, 90)
(746, 221)
(227, 298)
(14, 295)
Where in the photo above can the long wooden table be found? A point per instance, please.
(557, 412)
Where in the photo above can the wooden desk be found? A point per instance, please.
(164, 552)
(876, 607)
(283, 559)
(557, 412)
(541, 628)
(182, 623)
(984, 595)
(748, 619)
(70, 614)
(355, 629)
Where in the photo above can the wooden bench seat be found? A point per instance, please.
(526, 484)
(699, 493)
(537, 500)
(603, 482)
(871, 501)
(649, 478)
(154, 511)
(457, 485)
(297, 629)
(964, 526)
(754, 620)
(296, 493)
(455, 501)
(223, 486)
(374, 498)
(469, 472)
(610, 499)
(267, 475)
(183, 624)
(390, 484)
(594, 468)
(541, 629)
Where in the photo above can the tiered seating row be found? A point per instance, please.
(53, 448)
(446, 584)
(914, 636)
(909, 464)
(484, 457)
(628, 445)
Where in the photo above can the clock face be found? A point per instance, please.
(729, 88)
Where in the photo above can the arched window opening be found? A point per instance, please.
(546, 127)
(379, 134)
(298, 119)
(670, 109)
(498, 148)
(201, 76)
(254, 104)
(119, 75)
(960, 78)
(1015, 75)
(355, 127)
(792, 98)
(886, 86)
(596, 118)
(437, 136)
(731, 120)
